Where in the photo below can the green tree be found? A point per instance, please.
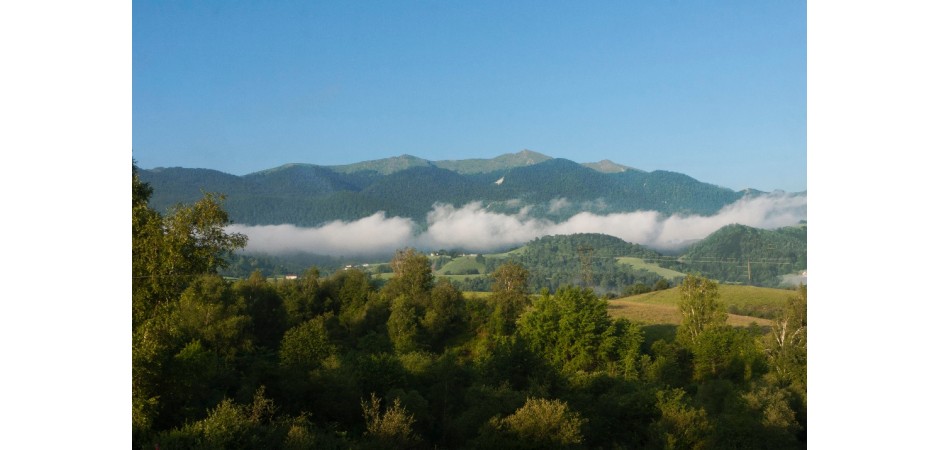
(727, 353)
(510, 296)
(167, 252)
(412, 276)
(700, 308)
(305, 346)
(392, 428)
(261, 301)
(539, 424)
(444, 314)
(403, 325)
(573, 330)
(680, 426)
(788, 348)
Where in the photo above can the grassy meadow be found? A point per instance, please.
(745, 305)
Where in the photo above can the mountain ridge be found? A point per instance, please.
(305, 194)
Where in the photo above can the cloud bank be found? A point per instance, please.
(472, 227)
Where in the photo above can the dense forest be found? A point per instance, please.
(310, 195)
(584, 260)
(340, 362)
(746, 255)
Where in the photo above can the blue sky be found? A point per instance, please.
(715, 90)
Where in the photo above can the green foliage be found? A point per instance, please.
(392, 428)
(681, 425)
(403, 325)
(554, 261)
(167, 252)
(539, 424)
(230, 426)
(742, 254)
(260, 301)
(413, 277)
(727, 353)
(788, 347)
(305, 346)
(510, 296)
(444, 314)
(573, 330)
(700, 308)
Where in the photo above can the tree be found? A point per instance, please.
(392, 428)
(403, 325)
(445, 311)
(681, 426)
(788, 349)
(305, 346)
(540, 423)
(510, 296)
(699, 306)
(413, 277)
(167, 252)
(573, 330)
(264, 305)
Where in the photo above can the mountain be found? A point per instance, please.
(607, 166)
(408, 186)
(385, 166)
(499, 163)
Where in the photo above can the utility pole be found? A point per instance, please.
(749, 270)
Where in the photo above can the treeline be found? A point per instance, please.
(338, 362)
(309, 195)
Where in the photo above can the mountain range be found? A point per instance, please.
(408, 186)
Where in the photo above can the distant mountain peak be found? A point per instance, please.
(530, 157)
(384, 166)
(607, 166)
(502, 162)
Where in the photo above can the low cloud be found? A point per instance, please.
(472, 227)
(375, 234)
(557, 205)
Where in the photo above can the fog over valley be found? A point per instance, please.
(472, 227)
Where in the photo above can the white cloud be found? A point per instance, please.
(375, 234)
(473, 227)
(557, 205)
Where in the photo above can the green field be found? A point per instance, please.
(638, 263)
(462, 265)
(743, 300)
(661, 314)
(505, 255)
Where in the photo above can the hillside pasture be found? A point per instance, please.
(638, 263)
(752, 301)
(462, 265)
(664, 314)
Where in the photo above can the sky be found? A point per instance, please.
(714, 90)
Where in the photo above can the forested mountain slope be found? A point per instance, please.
(309, 195)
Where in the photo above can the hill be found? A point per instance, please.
(747, 255)
(499, 163)
(407, 186)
